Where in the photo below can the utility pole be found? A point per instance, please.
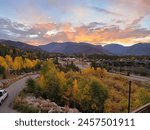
(129, 97)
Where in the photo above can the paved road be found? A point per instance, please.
(134, 77)
(13, 91)
(139, 78)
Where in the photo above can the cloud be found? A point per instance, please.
(135, 23)
(94, 32)
(105, 11)
(145, 6)
(12, 29)
(30, 13)
(131, 7)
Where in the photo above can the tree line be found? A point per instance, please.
(89, 90)
(71, 89)
(31, 54)
(17, 65)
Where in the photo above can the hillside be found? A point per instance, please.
(140, 49)
(68, 48)
(19, 45)
(74, 48)
(14, 49)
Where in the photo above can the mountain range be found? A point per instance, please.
(139, 49)
(68, 48)
(74, 48)
(20, 45)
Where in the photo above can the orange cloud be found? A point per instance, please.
(99, 35)
(33, 42)
(108, 35)
(44, 26)
(51, 32)
(66, 27)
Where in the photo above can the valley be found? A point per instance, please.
(73, 77)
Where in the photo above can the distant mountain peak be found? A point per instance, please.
(73, 48)
(138, 49)
(20, 45)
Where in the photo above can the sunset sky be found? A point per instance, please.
(94, 21)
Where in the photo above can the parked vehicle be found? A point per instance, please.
(3, 95)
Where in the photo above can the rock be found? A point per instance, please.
(36, 104)
(48, 106)
(48, 100)
(54, 104)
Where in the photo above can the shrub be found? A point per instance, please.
(99, 95)
(30, 85)
(21, 106)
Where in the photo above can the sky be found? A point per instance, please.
(40, 22)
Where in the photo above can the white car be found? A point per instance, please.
(3, 96)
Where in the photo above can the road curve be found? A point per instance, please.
(13, 90)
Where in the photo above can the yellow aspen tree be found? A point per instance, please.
(9, 61)
(3, 63)
(28, 63)
(75, 88)
(18, 63)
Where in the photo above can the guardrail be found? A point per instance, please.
(143, 109)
